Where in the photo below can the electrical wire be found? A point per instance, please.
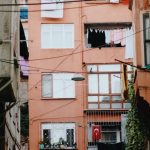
(7, 61)
(72, 1)
(55, 57)
(39, 10)
(55, 109)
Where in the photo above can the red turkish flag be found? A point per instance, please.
(96, 132)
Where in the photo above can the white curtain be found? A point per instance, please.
(57, 36)
(47, 85)
(54, 7)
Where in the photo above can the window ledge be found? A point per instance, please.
(58, 98)
(59, 149)
(98, 2)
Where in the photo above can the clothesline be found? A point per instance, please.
(110, 26)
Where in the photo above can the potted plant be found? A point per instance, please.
(41, 145)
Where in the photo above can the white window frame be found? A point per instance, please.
(143, 38)
(50, 30)
(58, 127)
(61, 87)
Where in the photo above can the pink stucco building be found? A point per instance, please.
(82, 37)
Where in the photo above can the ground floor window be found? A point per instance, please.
(103, 133)
(58, 135)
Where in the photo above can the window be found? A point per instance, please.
(58, 135)
(58, 85)
(146, 30)
(57, 36)
(105, 86)
(105, 134)
(55, 8)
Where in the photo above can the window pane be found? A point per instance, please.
(109, 68)
(68, 40)
(57, 41)
(147, 54)
(93, 106)
(57, 35)
(47, 85)
(127, 105)
(116, 105)
(103, 83)
(63, 86)
(104, 98)
(116, 98)
(147, 31)
(93, 83)
(109, 137)
(92, 98)
(105, 106)
(115, 83)
(92, 68)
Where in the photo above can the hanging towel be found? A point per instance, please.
(123, 41)
(129, 49)
(24, 66)
(118, 35)
(107, 34)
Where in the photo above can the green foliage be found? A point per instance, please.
(135, 135)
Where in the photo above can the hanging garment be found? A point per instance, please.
(23, 44)
(103, 39)
(123, 41)
(118, 35)
(107, 35)
(97, 39)
(129, 48)
(94, 39)
(24, 66)
(90, 38)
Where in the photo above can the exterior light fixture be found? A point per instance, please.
(77, 77)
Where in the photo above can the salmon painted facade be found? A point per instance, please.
(88, 38)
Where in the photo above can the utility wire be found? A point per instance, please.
(39, 10)
(57, 2)
(55, 57)
(97, 4)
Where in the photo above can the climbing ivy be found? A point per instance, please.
(135, 135)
